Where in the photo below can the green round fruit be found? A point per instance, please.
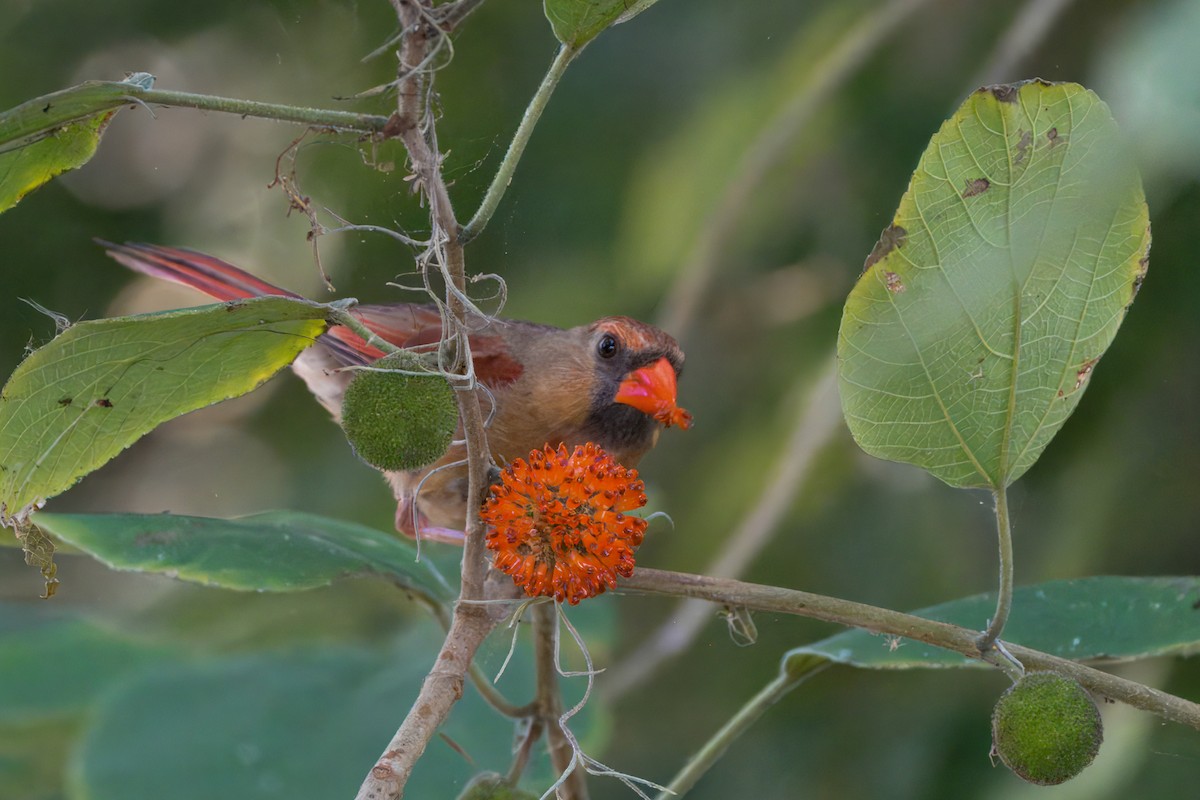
(396, 421)
(1046, 728)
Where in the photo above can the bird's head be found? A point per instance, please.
(637, 366)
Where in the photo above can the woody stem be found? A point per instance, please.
(757, 597)
(471, 621)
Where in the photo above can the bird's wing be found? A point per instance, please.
(407, 325)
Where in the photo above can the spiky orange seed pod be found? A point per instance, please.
(557, 522)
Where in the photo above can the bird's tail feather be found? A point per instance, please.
(223, 281)
(216, 278)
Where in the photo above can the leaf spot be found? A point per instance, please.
(156, 538)
(976, 186)
(894, 284)
(104, 402)
(1143, 268)
(1005, 92)
(66, 401)
(893, 237)
(1023, 146)
(1084, 372)
(1052, 137)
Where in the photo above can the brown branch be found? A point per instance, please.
(443, 686)
(472, 622)
(881, 620)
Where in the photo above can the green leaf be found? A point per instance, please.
(101, 385)
(982, 311)
(55, 664)
(1106, 618)
(577, 22)
(277, 551)
(49, 135)
(31, 758)
(69, 147)
(53, 667)
(304, 724)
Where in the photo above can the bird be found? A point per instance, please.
(612, 382)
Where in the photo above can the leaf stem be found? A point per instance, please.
(1005, 594)
(320, 117)
(343, 317)
(739, 723)
(533, 112)
(50, 112)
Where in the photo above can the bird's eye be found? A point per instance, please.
(607, 346)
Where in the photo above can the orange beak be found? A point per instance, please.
(651, 390)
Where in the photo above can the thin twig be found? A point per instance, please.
(319, 117)
(818, 419)
(451, 15)
(530, 735)
(549, 701)
(92, 97)
(346, 318)
(504, 175)
(881, 620)
(716, 746)
(765, 152)
(578, 756)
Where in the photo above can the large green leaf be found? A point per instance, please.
(31, 758)
(1110, 618)
(49, 135)
(277, 551)
(53, 666)
(100, 385)
(982, 311)
(303, 724)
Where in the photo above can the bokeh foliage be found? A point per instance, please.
(648, 121)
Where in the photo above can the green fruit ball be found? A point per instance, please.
(396, 421)
(1046, 728)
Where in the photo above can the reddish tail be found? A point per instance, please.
(214, 277)
(223, 281)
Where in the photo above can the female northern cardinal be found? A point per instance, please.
(611, 382)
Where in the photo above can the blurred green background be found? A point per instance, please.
(633, 153)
